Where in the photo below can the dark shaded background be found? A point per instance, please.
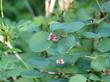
(20, 9)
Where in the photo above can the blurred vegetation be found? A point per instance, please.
(28, 9)
(20, 9)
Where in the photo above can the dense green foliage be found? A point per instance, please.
(73, 49)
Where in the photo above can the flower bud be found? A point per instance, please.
(60, 61)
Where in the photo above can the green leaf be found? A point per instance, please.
(53, 50)
(104, 32)
(13, 72)
(106, 78)
(39, 42)
(32, 74)
(106, 6)
(25, 80)
(69, 69)
(94, 77)
(67, 27)
(7, 61)
(39, 63)
(107, 61)
(98, 64)
(103, 45)
(78, 78)
(39, 20)
(28, 26)
(91, 35)
(66, 44)
(84, 65)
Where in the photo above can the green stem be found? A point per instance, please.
(17, 55)
(2, 14)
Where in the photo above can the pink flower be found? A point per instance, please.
(53, 37)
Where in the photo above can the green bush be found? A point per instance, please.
(76, 49)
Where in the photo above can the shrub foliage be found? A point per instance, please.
(73, 49)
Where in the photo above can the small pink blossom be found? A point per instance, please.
(53, 37)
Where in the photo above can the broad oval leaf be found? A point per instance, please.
(67, 27)
(98, 64)
(94, 77)
(39, 42)
(66, 44)
(78, 78)
(103, 45)
(39, 63)
(53, 50)
(104, 32)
